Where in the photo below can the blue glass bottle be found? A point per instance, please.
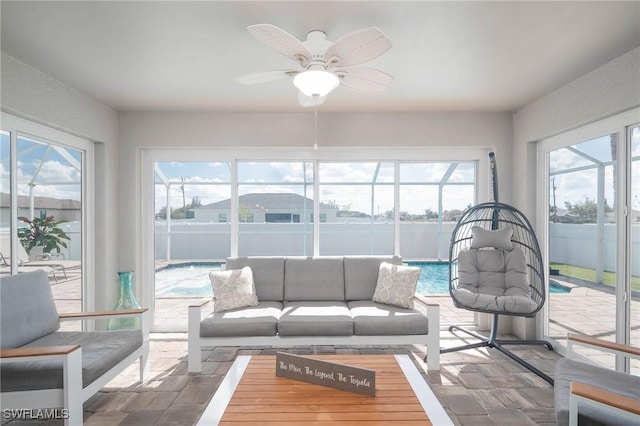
(126, 300)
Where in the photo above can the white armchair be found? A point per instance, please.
(42, 367)
(594, 395)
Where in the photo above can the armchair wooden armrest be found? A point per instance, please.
(37, 351)
(576, 339)
(602, 396)
(100, 314)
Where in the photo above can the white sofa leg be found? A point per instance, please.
(433, 338)
(72, 382)
(194, 347)
(145, 325)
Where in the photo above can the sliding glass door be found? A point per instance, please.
(44, 207)
(591, 226)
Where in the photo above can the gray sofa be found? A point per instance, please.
(44, 367)
(314, 301)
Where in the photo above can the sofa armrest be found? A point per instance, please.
(603, 345)
(200, 303)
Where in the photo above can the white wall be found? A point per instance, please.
(35, 96)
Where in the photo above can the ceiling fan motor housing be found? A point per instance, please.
(317, 44)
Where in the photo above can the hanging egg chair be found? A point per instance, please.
(496, 267)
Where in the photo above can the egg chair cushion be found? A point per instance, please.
(493, 280)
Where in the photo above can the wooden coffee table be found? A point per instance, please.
(251, 393)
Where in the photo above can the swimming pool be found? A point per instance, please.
(192, 279)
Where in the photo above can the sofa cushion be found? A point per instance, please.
(568, 370)
(315, 319)
(268, 275)
(27, 309)
(377, 319)
(101, 350)
(259, 320)
(361, 275)
(319, 278)
(396, 285)
(233, 289)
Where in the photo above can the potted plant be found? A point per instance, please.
(42, 232)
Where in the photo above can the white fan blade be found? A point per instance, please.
(308, 101)
(365, 80)
(281, 41)
(358, 47)
(264, 77)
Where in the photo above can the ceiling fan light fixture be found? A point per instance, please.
(316, 82)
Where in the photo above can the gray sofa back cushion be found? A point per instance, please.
(361, 275)
(27, 309)
(309, 279)
(268, 275)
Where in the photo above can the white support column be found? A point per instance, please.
(600, 226)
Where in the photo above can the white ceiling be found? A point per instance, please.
(447, 56)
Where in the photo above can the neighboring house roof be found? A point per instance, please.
(267, 201)
(42, 202)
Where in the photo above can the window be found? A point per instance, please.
(246, 203)
(433, 195)
(357, 200)
(272, 197)
(192, 201)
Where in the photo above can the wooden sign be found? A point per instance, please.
(330, 374)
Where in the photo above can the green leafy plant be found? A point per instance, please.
(44, 233)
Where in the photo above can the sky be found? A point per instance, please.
(347, 184)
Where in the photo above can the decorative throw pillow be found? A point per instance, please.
(499, 239)
(233, 289)
(396, 285)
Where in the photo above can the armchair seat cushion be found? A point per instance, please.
(259, 320)
(568, 370)
(377, 319)
(315, 319)
(101, 350)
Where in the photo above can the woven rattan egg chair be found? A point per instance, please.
(495, 267)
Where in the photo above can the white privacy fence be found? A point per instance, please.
(572, 244)
(207, 241)
(577, 244)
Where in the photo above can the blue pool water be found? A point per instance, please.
(192, 279)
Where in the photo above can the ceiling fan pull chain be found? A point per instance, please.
(315, 123)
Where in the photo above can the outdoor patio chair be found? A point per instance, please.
(48, 264)
(588, 394)
(495, 267)
(42, 367)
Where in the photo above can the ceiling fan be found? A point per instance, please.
(324, 65)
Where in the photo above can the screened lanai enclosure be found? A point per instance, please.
(270, 208)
